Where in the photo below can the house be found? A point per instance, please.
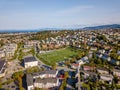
(46, 82)
(11, 46)
(93, 48)
(2, 53)
(118, 52)
(96, 44)
(102, 51)
(75, 65)
(30, 62)
(2, 68)
(46, 74)
(106, 77)
(29, 80)
(116, 72)
(87, 74)
(83, 60)
(9, 53)
(106, 47)
(102, 71)
(90, 54)
(88, 68)
(99, 55)
(29, 44)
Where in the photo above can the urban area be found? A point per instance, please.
(60, 60)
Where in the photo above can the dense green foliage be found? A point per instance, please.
(101, 37)
(18, 76)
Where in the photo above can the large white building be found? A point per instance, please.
(46, 74)
(10, 49)
(46, 82)
(30, 62)
(45, 79)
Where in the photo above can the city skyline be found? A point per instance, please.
(29, 14)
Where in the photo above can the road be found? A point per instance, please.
(78, 75)
(64, 68)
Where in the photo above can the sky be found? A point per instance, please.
(35, 14)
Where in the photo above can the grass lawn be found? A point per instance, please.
(52, 57)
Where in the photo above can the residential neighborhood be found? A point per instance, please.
(59, 44)
(70, 60)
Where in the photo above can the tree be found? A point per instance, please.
(54, 66)
(73, 60)
(33, 69)
(0, 86)
(115, 79)
(63, 86)
(102, 37)
(18, 76)
(67, 62)
(66, 75)
(86, 86)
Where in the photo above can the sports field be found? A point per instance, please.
(50, 58)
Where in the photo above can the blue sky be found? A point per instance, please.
(35, 14)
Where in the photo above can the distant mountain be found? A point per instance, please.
(76, 27)
(103, 27)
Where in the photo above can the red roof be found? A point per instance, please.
(74, 64)
(88, 67)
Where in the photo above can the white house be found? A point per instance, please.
(46, 74)
(106, 77)
(29, 44)
(46, 82)
(83, 60)
(2, 54)
(102, 51)
(99, 55)
(75, 65)
(102, 71)
(93, 48)
(116, 72)
(30, 62)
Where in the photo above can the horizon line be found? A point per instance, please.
(74, 27)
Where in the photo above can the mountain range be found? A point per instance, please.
(112, 26)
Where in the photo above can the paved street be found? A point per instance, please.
(65, 68)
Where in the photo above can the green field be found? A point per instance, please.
(50, 58)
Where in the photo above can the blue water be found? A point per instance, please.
(16, 31)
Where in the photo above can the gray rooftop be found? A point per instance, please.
(45, 72)
(46, 80)
(29, 79)
(2, 62)
(29, 59)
